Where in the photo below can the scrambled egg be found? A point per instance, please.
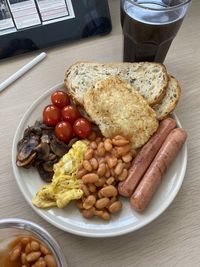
(64, 186)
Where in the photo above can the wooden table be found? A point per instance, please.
(174, 238)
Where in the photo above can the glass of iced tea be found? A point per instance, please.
(149, 27)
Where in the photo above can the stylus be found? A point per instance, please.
(22, 71)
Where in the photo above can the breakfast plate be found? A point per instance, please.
(70, 219)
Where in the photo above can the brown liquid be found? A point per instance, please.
(147, 42)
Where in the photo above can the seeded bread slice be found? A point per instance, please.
(170, 99)
(150, 79)
(117, 108)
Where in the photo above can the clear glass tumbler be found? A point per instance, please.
(149, 27)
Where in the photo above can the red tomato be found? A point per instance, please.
(82, 128)
(63, 131)
(60, 99)
(70, 114)
(51, 115)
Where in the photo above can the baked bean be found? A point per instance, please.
(128, 157)
(33, 256)
(111, 161)
(113, 199)
(112, 172)
(109, 191)
(87, 165)
(35, 246)
(88, 213)
(119, 140)
(40, 263)
(88, 154)
(114, 207)
(103, 215)
(92, 188)
(45, 250)
(114, 153)
(102, 169)
(101, 181)
(102, 160)
(102, 203)
(90, 178)
(123, 175)
(93, 145)
(110, 180)
(94, 163)
(23, 258)
(25, 240)
(123, 150)
(107, 174)
(28, 248)
(98, 140)
(80, 173)
(119, 168)
(85, 189)
(99, 195)
(89, 202)
(50, 261)
(16, 252)
(101, 150)
(108, 144)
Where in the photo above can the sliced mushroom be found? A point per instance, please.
(72, 141)
(27, 149)
(45, 175)
(48, 165)
(27, 162)
(33, 131)
(58, 147)
(43, 151)
(53, 157)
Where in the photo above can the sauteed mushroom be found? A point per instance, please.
(39, 147)
(27, 162)
(43, 151)
(58, 147)
(27, 148)
(45, 175)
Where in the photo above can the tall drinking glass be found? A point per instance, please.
(149, 27)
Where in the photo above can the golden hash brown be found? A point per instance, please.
(117, 108)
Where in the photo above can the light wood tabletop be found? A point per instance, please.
(173, 239)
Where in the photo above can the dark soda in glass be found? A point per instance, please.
(149, 28)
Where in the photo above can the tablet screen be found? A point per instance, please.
(26, 25)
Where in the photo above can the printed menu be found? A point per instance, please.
(16, 15)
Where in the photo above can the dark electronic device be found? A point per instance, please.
(27, 25)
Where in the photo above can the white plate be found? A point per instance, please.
(70, 219)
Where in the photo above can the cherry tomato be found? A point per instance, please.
(60, 99)
(51, 115)
(64, 131)
(70, 114)
(82, 128)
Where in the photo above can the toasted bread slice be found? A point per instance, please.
(170, 99)
(150, 79)
(117, 108)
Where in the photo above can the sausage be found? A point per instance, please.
(152, 178)
(145, 157)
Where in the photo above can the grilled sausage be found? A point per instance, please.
(152, 178)
(145, 157)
